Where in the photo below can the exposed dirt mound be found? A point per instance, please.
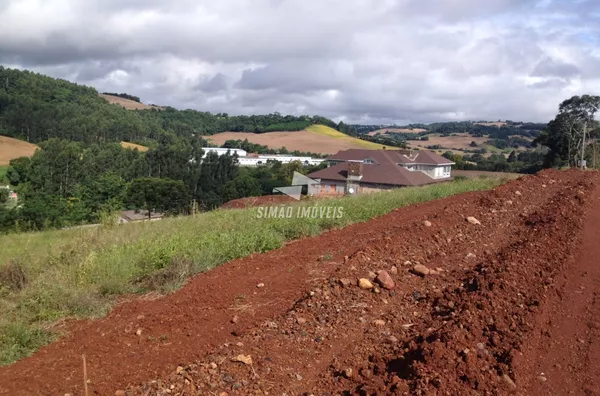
(448, 297)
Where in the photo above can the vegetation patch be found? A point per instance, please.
(80, 272)
(332, 133)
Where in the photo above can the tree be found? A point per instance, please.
(153, 194)
(3, 196)
(565, 135)
(18, 170)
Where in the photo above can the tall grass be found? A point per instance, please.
(52, 275)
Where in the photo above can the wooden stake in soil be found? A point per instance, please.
(85, 379)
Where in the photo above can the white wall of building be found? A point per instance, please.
(223, 151)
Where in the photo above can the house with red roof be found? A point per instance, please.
(362, 171)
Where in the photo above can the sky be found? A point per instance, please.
(357, 61)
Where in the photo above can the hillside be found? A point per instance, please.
(35, 107)
(127, 103)
(454, 297)
(316, 139)
(13, 148)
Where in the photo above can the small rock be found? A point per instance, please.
(421, 270)
(246, 359)
(235, 319)
(544, 186)
(213, 365)
(509, 381)
(392, 340)
(372, 276)
(394, 270)
(345, 282)
(300, 320)
(542, 378)
(385, 280)
(509, 202)
(407, 263)
(427, 223)
(365, 284)
(179, 369)
(120, 393)
(138, 332)
(260, 285)
(140, 317)
(298, 377)
(348, 373)
(471, 255)
(379, 323)
(518, 193)
(473, 220)
(366, 373)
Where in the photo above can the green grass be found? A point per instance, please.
(52, 275)
(327, 131)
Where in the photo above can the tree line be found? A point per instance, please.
(35, 108)
(69, 183)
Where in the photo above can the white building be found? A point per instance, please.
(223, 151)
(261, 159)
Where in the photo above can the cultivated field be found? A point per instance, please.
(460, 141)
(496, 124)
(13, 148)
(133, 146)
(398, 130)
(127, 103)
(315, 139)
(489, 292)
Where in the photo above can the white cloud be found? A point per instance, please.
(356, 60)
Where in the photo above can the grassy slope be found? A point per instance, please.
(79, 272)
(327, 131)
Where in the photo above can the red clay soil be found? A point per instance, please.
(249, 202)
(509, 299)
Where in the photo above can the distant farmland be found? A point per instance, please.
(127, 103)
(13, 148)
(315, 139)
(396, 130)
(133, 146)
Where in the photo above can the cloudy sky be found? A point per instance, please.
(367, 61)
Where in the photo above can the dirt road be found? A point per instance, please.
(508, 299)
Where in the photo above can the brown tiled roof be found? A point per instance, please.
(385, 170)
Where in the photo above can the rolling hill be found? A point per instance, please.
(315, 139)
(14, 148)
